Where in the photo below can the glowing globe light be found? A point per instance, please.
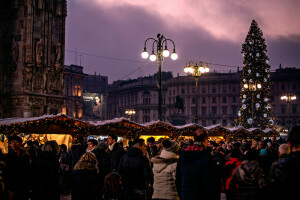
(174, 55)
(166, 53)
(145, 54)
(152, 57)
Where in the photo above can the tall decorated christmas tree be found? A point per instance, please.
(255, 110)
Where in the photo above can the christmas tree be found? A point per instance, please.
(255, 98)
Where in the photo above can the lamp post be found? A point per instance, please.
(252, 87)
(130, 112)
(196, 70)
(161, 53)
(289, 97)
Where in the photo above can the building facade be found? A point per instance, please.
(286, 81)
(218, 100)
(140, 95)
(74, 79)
(32, 46)
(95, 84)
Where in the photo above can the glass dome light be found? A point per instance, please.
(145, 54)
(206, 69)
(186, 69)
(166, 52)
(246, 86)
(174, 55)
(152, 57)
(259, 86)
(201, 69)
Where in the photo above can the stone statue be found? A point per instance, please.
(15, 54)
(39, 53)
(179, 104)
(48, 81)
(28, 77)
(58, 56)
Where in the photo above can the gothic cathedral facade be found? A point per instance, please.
(32, 46)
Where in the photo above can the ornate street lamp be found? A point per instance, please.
(289, 97)
(160, 42)
(252, 86)
(196, 70)
(130, 112)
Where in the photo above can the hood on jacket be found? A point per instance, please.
(193, 152)
(248, 170)
(159, 164)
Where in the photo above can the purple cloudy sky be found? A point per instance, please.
(114, 32)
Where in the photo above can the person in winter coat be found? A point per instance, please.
(164, 170)
(283, 151)
(46, 173)
(104, 163)
(65, 176)
(284, 179)
(115, 151)
(85, 178)
(196, 173)
(248, 180)
(18, 170)
(230, 166)
(135, 171)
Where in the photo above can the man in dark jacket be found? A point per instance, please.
(104, 162)
(77, 150)
(18, 170)
(151, 147)
(196, 173)
(135, 171)
(115, 151)
(285, 175)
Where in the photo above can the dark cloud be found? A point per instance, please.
(120, 32)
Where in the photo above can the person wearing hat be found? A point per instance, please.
(18, 170)
(164, 170)
(284, 177)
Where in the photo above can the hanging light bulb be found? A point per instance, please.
(152, 57)
(145, 54)
(174, 55)
(166, 52)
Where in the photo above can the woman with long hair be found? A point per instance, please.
(112, 189)
(85, 178)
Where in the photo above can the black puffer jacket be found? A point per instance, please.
(284, 179)
(247, 182)
(197, 174)
(135, 170)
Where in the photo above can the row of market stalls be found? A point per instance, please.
(65, 129)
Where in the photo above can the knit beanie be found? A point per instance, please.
(170, 145)
(263, 152)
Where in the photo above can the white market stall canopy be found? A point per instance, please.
(62, 124)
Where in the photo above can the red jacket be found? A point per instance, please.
(237, 164)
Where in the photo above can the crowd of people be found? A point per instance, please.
(163, 169)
